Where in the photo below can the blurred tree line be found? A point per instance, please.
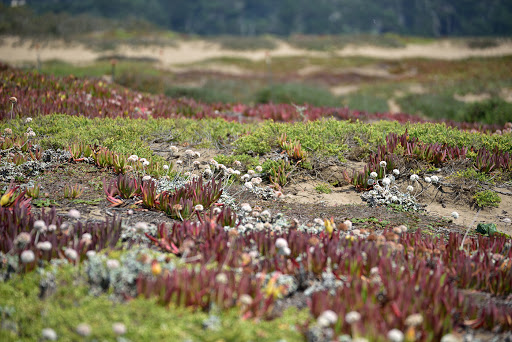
(433, 18)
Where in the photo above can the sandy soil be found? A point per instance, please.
(14, 51)
(437, 204)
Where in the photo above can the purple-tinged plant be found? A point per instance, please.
(204, 287)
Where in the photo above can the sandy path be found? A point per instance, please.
(14, 52)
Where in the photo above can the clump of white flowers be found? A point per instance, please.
(386, 192)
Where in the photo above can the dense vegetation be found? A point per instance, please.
(190, 244)
(249, 17)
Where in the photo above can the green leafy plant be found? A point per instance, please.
(486, 229)
(487, 198)
(278, 171)
(323, 188)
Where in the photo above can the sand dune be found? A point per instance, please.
(14, 51)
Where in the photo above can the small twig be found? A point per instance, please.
(467, 230)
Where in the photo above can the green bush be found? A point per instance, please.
(436, 106)
(207, 95)
(492, 111)
(366, 102)
(296, 93)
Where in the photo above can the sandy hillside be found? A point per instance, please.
(14, 51)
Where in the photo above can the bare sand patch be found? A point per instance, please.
(471, 98)
(506, 94)
(344, 89)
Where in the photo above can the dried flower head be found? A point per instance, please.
(449, 338)
(165, 167)
(259, 168)
(414, 177)
(113, 264)
(146, 178)
(83, 329)
(44, 246)
(27, 257)
(13, 100)
(281, 243)
(22, 240)
(352, 317)
(119, 328)
(285, 251)
(40, 226)
(327, 318)
(455, 215)
(221, 278)
(74, 214)
(199, 207)
(245, 299)
(386, 181)
(49, 334)
(133, 158)
(395, 335)
(410, 188)
(246, 207)
(141, 226)
(86, 238)
(374, 175)
(383, 164)
(396, 172)
(428, 180)
(71, 254)
(414, 320)
(28, 120)
(434, 179)
(173, 149)
(256, 180)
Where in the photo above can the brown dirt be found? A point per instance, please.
(300, 199)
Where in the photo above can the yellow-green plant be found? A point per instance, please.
(73, 191)
(33, 191)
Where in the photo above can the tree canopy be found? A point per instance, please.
(434, 18)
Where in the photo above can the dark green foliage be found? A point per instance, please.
(250, 18)
(486, 228)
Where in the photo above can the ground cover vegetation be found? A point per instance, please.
(169, 218)
(427, 88)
